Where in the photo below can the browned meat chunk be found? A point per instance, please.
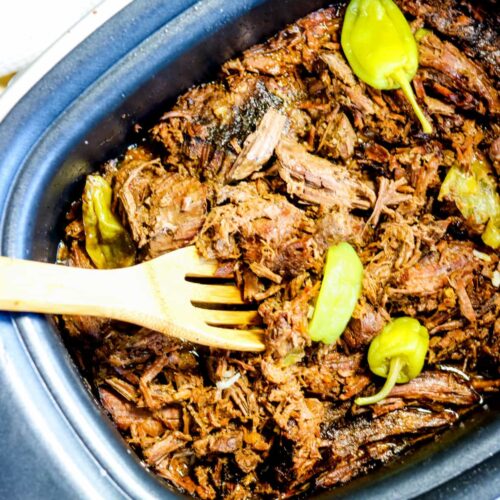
(339, 67)
(241, 192)
(353, 89)
(469, 24)
(247, 460)
(126, 414)
(432, 272)
(366, 323)
(209, 123)
(336, 226)
(316, 180)
(167, 445)
(347, 440)
(165, 211)
(437, 387)
(259, 146)
(223, 442)
(464, 73)
(269, 231)
(388, 195)
(362, 441)
(287, 324)
(339, 138)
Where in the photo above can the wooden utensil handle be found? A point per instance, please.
(30, 286)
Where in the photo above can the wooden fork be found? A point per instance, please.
(161, 294)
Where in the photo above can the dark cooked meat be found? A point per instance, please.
(286, 155)
(437, 387)
(314, 179)
(200, 134)
(365, 324)
(361, 443)
(364, 431)
(461, 71)
(250, 230)
(287, 323)
(471, 25)
(259, 146)
(127, 415)
(354, 90)
(433, 271)
(164, 210)
(338, 225)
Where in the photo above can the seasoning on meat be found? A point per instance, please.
(287, 155)
(259, 146)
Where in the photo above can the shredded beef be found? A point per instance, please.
(287, 323)
(316, 180)
(361, 443)
(287, 154)
(349, 439)
(464, 73)
(437, 387)
(259, 146)
(469, 24)
(365, 324)
(433, 271)
(250, 230)
(164, 210)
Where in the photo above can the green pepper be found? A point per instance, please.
(421, 33)
(398, 354)
(106, 240)
(338, 295)
(474, 192)
(292, 358)
(380, 47)
(491, 234)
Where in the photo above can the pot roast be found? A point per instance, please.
(286, 154)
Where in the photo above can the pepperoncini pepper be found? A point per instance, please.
(338, 295)
(474, 192)
(398, 354)
(381, 49)
(106, 240)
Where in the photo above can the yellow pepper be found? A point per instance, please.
(381, 49)
(338, 295)
(491, 234)
(106, 240)
(475, 194)
(398, 354)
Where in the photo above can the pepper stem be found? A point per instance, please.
(400, 77)
(395, 366)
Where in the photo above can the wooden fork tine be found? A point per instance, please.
(195, 265)
(202, 269)
(153, 294)
(243, 340)
(217, 317)
(214, 294)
